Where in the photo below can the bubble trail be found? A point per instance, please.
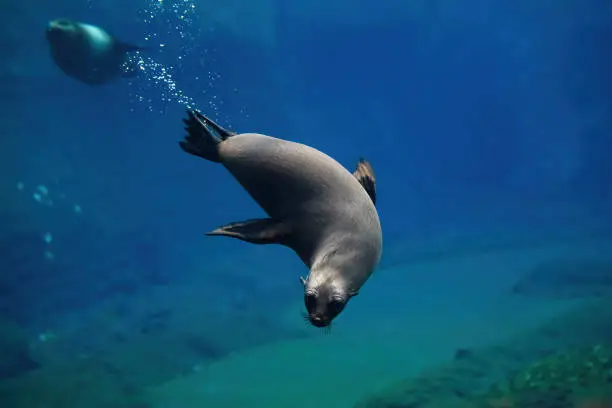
(161, 78)
(177, 21)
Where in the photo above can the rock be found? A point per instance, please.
(519, 373)
(557, 381)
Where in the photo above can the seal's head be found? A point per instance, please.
(324, 301)
(61, 30)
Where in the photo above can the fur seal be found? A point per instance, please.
(88, 53)
(315, 206)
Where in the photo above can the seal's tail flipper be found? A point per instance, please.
(256, 231)
(203, 136)
(365, 175)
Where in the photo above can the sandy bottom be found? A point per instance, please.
(406, 320)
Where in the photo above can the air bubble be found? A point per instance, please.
(176, 18)
(48, 237)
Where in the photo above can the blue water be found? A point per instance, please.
(487, 123)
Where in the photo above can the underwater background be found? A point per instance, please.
(488, 125)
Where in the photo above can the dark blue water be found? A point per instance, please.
(488, 125)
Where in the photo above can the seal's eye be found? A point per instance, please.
(310, 300)
(336, 305)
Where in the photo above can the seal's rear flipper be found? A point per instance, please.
(203, 136)
(365, 175)
(256, 231)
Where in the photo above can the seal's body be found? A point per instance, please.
(316, 207)
(88, 53)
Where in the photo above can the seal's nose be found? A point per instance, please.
(317, 320)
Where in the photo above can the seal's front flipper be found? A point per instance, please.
(365, 175)
(256, 231)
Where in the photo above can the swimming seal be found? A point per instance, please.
(315, 207)
(88, 53)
